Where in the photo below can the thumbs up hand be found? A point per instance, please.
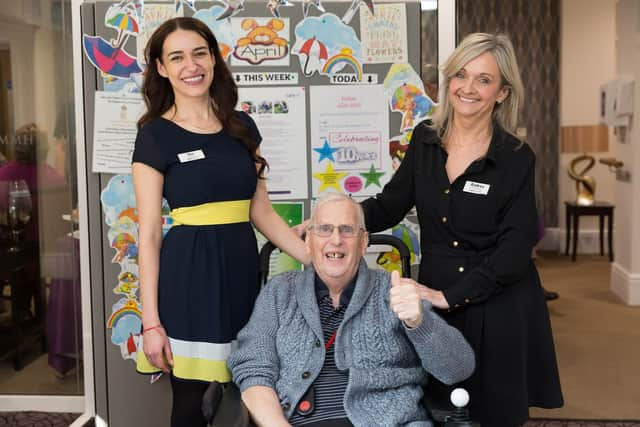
(404, 299)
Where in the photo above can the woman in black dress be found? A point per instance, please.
(199, 284)
(472, 183)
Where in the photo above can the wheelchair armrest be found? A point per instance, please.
(222, 406)
(439, 415)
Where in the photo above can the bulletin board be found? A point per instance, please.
(334, 89)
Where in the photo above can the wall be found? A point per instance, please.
(48, 46)
(429, 47)
(21, 40)
(537, 52)
(34, 44)
(625, 271)
(587, 60)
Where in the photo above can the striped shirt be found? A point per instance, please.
(331, 383)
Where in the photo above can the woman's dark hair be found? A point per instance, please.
(158, 93)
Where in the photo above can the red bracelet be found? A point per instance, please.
(151, 328)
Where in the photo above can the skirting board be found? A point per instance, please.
(72, 404)
(625, 285)
(588, 241)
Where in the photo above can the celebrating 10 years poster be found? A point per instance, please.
(349, 137)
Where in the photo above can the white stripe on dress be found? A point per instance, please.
(202, 350)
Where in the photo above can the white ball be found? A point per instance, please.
(459, 397)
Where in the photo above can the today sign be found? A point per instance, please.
(352, 79)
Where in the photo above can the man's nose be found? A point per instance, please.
(336, 238)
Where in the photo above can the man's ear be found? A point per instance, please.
(160, 67)
(365, 242)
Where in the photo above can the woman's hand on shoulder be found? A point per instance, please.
(301, 229)
(156, 347)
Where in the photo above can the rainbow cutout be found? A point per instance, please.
(130, 308)
(131, 213)
(343, 57)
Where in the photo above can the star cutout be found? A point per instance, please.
(189, 3)
(329, 178)
(372, 177)
(274, 6)
(307, 3)
(326, 152)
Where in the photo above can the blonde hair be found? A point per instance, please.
(474, 45)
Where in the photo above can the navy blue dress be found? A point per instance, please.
(208, 279)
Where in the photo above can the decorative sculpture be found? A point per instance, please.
(585, 184)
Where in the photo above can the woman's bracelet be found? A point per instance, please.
(151, 328)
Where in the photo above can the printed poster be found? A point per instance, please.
(384, 35)
(114, 131)
(349, 138)
(280, 114)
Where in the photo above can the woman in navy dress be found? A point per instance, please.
(199, 284)
(472, 183)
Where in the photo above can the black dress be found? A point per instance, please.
(476, 237)
(208, 278)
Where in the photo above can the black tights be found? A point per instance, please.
(187, 403)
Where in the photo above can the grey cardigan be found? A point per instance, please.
(282, 347)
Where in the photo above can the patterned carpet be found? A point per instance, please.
(44, 419)
(580, 423)
(36, 419)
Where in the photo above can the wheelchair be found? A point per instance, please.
(222, 405)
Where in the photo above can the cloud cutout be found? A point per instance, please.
(221, 29)
(331, 31)
(117, 196)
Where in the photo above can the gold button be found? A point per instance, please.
(455, 243)
(444, 219)
(447, 191)
(460, 269)
(466, 300)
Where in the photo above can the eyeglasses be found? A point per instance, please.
(344, 230)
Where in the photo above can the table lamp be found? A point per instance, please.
(583, 139)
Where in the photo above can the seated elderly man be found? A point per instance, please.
(340, 344)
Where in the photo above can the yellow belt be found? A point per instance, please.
(212, 213)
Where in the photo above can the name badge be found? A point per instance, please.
(190, 156)
(476, 188)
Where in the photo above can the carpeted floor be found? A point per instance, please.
(36, 419)
(580, 423)
(42, 419)
(597, 341)
(38, 377)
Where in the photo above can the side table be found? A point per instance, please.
(573, 214)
